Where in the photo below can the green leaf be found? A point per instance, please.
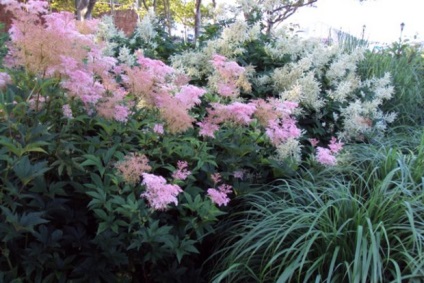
(108, 155)
(27, 172)
(101, 213)
(93, 161)
(35, 147)
(12, 145)
(102, 227)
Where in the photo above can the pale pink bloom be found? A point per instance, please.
(37, 7)
(216, 178)
(220, 196)
(82, 85)
(158, 193)
(218, 59)
(156, 67)
(238, 174)
(314, 142)
(335, 146)
(228, 70)
(273, 110)
(64, 24)
(280, 131)
(229, 74)
(325, 156)
(227, 89)
(207, 129)
(175, 114)
(4, 79)
(189, 96)
(67, 111)
(237, 112)
(181, 79)
(121, 113)
(37, 102)
(158, 129)
(181, 173)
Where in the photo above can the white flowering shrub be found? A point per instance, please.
(323, 79)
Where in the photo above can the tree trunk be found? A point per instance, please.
(197, 20)
(84, 9)
(167, 7)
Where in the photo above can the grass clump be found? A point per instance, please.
(357, 223)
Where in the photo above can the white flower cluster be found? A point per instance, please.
(108, 32)
(364, 115)
(232, 38)
(125, 56)
(284, 46)
(344, 88)
(291, 149)
(196, 63)
(145, 29)
(343, 64)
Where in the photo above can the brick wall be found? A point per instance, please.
(5, 19)
(125, 20)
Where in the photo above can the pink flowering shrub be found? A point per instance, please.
(53, 46)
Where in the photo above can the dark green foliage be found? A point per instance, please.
(67, 215)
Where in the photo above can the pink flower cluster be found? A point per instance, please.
(158, 193)
(274, 115)
(239, 174)
(219, 195)
(4, 79)
(281, 130)
(67, 111)
(159, 86)
(229, 74)
(158, 129)
(181, 173)
(327, 156)
(236, 113)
